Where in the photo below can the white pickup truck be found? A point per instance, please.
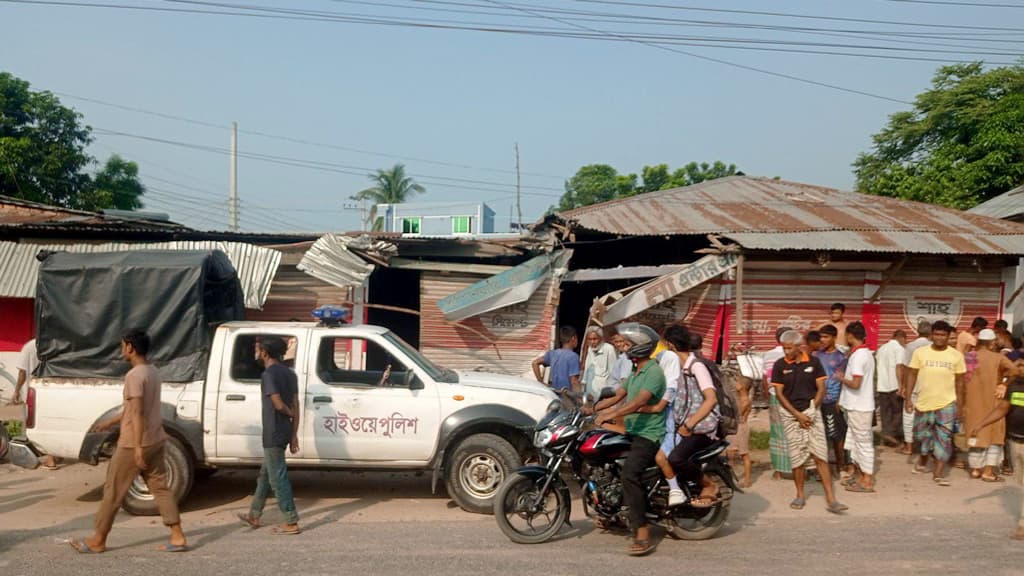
(369, 401)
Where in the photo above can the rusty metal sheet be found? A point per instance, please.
(769, 214)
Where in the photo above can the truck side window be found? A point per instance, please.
(358, 362)
(244, 365)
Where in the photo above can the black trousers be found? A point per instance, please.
(890, 406)
(680, 456)
(641, 457)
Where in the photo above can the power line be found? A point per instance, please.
(292, 139)
(735, 64)
(952, 3)
(319, 165)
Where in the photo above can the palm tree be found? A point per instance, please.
(391, 186)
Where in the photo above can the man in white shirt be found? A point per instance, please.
(600, 363)
(27, 362)
(857, 400)
(908, 386)
(890, 404)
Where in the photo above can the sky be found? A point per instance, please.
(331, 101)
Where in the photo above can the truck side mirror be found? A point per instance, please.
(413, 382)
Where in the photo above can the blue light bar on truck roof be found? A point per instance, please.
(331, 315)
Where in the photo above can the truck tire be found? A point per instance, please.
(476, 468)
(180, 476)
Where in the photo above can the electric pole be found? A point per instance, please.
(233, 181)
(519, 206)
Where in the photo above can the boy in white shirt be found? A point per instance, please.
(857, 400)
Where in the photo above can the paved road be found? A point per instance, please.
(391, 524)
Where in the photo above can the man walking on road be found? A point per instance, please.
(140, 450)
(985, 453)
(938, 371)
(908, 387)
(799, 382)
(279, 391)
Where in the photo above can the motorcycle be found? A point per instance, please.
(533, 504)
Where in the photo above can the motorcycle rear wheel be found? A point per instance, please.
(517, 515)
(702, 527)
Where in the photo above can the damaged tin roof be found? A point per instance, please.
(767, 214)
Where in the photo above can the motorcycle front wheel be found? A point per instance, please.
(524, 514)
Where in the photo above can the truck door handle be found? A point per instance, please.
(235, 397)
(319, 399)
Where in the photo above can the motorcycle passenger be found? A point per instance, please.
(694, 410)
(644, 387)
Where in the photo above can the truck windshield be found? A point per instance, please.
(436, 372)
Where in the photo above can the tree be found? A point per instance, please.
(391, 186)
(42, 146)
(43, 155)
(116, 185)
(596, 183)
(963, 142)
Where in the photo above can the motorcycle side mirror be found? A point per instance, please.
(606, 392)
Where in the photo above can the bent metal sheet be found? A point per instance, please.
(662, 288)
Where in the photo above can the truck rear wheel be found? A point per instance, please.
(476, 468)
(180, 475)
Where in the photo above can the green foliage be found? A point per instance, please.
(116, 185)
(963, 142)
(14, 428)
(391, 186)
(43, 155)
(597, 183)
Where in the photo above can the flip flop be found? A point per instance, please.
(704, 502)
(919, 469)
(941, 482)
(641, 547)
(173, 547)
(856, 487)
(279, 531)
(992, 479)
(849, 481)
(837, 507)
(798, 504)
(249, 521)
(81, 547)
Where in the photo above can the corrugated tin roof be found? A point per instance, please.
(255, 265)
(18, 212)
(776, 214)
(1005, 205)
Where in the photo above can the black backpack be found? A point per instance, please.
(728, 414)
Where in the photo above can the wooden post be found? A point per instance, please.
(739, 295)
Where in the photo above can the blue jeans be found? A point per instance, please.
(274, 476)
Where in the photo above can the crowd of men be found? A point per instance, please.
(827, 390)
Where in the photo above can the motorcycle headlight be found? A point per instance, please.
(542, 438)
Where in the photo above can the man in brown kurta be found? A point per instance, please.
(986, 449)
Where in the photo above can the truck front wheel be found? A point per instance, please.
(476, 468)
(180, 475)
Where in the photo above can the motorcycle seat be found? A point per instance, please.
(710, 452)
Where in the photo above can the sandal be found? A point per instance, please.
(81, 547)
(941, 482)
(837, 507)
(285, 531)
(641, 547)
(918, 469)
(992, 479)
(702, 502)
(173, 547)
(857, 487)
(798, 504)
(849, 481)
(251, 522)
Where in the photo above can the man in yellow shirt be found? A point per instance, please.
(939, 372)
